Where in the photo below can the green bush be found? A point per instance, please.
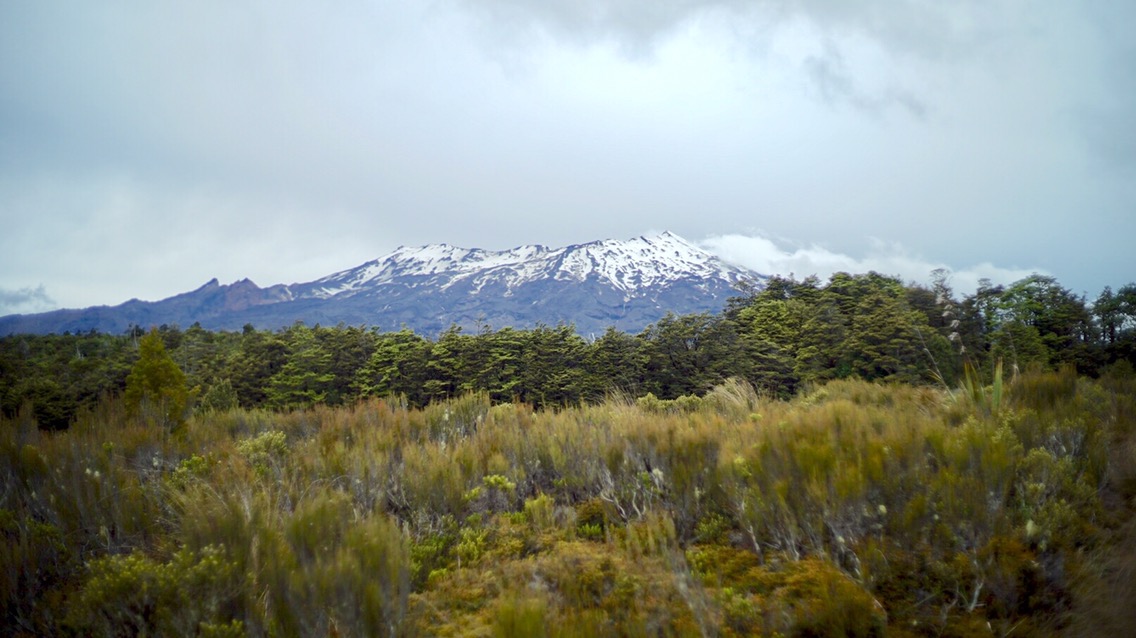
(133, 595)
(35, 560)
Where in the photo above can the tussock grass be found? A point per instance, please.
(851, 507)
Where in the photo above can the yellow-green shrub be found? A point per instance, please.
(132, 595)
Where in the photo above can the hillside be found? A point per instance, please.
(626, 284)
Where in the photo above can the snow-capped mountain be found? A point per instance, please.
(630, 266)
(626, 284)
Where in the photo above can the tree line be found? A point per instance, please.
(778, 338)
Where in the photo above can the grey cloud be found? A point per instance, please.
(1111, 134)
(1107, 119)
(24, 300)
(146, 148)
(635, 25)
(927, 29)
(830, 77)
(835, 85)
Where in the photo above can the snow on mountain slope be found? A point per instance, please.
(622, 284)
(628, 266)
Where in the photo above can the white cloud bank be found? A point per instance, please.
(781, 257)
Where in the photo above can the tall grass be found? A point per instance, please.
(853, 505)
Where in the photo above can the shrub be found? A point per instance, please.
(34, 560)
(265, 450)
(133, 595)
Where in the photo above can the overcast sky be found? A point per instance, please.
(146, 147)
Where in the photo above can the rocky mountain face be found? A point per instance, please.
(626, 284)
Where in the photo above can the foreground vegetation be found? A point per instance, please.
(854, 509)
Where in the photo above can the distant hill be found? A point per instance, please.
(627, 284)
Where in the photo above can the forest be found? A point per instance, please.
(858, 457)
(778, 339)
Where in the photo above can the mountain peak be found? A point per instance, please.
(629, 266)
(627, 284)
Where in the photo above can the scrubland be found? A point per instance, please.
(854, 509)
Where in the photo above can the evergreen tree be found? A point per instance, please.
(884, 339)
(305, 379)
(497, 367)
(614, 363)
(1116, 317)
(772, 327)
(260, 356)
(689, 354)
(451, 365)
(1107, 310)
(1060, 318)
(349, 348)
(551, 366)
(397, 367)
(155, 387)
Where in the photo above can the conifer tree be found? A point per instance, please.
(305, 378)
(155, 387)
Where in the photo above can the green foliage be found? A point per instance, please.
(754, 487)
(862, 325)
(132, 595)
(264, 451)
(256, 359)
(778, 339)
(591, 519)
(687, 355)
(35, 560)
(976, 395)
(306, 377)
(220, 397)
(806, 598)
(682, 404)
(332, 574)
(189, 471)
(397, 368)
(728, 513)
(616, 363)
(156, 387)
(57, 376)
(539, 511)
